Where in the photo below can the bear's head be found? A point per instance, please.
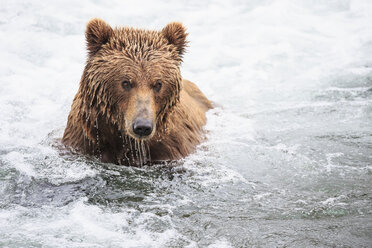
(132, 77)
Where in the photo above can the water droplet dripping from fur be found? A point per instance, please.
(97, 141)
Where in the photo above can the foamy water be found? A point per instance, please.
(288, 160)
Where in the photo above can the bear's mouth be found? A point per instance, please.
(139, 137)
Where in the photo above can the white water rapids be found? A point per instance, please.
(288, 160)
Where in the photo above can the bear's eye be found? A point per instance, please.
(126, 85)
(157, 86)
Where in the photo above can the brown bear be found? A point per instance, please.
(132, 106)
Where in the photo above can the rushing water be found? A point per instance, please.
(288, 159)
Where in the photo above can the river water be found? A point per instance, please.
(288, 159)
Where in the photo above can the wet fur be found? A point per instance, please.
(98, 120)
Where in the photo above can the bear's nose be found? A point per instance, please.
(142, 127)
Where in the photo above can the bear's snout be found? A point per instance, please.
(142, 127)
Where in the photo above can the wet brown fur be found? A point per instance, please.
(100, 119)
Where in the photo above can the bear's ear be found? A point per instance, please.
(176, 34)
(98, 33)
